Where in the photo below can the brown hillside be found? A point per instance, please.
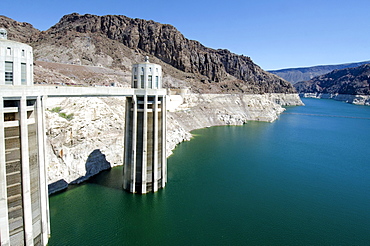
(116, 41)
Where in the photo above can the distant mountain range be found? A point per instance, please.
(295, 75)
(115, 42)
(349, 81)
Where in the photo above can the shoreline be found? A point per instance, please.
(98, 127)
(353, 99)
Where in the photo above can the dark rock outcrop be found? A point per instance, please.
(349, 81)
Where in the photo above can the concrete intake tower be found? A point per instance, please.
(24, 204)
(145, 164)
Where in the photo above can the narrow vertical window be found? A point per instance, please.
(150, 81)
(135, 80)
(8, 51)
(156, 82)
(23, 74)
(8, 73)
(23, 53)
(142, 81)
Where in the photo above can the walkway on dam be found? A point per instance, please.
(69, 91)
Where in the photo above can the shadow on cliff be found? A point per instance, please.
(98, 171)
(95, 163)
(58, 186)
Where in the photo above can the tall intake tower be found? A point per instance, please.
(145, 164)
(24, 204)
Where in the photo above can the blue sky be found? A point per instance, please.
(274, 33)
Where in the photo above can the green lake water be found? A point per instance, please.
(301, 180)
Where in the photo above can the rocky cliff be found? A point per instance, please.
(353, 84)
(18, 31)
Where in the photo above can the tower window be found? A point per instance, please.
(135, 80)
(150, 83)
(23, 74)
(156, 82)
(23, 53)
(8, 51)
(8, 73)
(142, 81)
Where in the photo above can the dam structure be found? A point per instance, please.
(145, 164)
(24, 203)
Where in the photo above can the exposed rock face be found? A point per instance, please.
(199, 111)
(349, 81)
(67, 74)
(82, 146)
(295, 75)
(18, 31)
(169, 45)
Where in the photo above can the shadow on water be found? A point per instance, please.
(112, 178)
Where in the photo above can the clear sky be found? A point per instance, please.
(274, 33)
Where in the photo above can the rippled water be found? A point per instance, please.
(301, 180)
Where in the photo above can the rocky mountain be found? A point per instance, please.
(295, 75)
(352, 81)
(18, 31)
(349, 84)
(116, 41)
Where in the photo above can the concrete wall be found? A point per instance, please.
(145, 168)
(146, 76)
(17, 54)
(24, 217)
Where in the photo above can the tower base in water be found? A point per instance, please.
(145, 164)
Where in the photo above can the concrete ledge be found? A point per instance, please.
(8, 91)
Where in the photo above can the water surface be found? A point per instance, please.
(301, 180)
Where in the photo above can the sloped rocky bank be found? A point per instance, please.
(91, 138)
